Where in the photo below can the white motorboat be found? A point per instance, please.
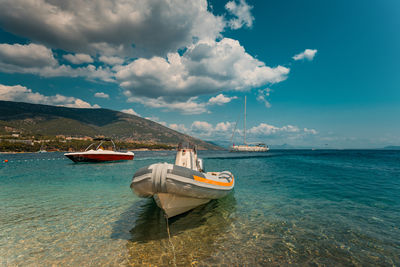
(42, 150)
(180, 187)
(99, 154)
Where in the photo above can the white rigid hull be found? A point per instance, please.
(178, 189)
(173, 204)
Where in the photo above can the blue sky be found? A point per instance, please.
(316, 73)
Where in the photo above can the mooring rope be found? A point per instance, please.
(170, 241)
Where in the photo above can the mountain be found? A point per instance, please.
(36, 119)
(221, 143)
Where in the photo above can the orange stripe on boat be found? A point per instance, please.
(208, 181)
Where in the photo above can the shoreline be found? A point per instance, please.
(173, 149)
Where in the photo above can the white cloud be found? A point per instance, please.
(220, 99)
(178, 127)
(206, 67)
(224, 126)
(112, 27)
(311, 131)
(156, 119)
(130, 111)
(22, 94)
(111, 60)
(307, 54)
(263, 96)
(101, 95)
(224, 130)
(267, 129)
(242, 13)
(89, 72)
(186, 107)
(39, 60)
(145, 35)
(284, 133)
(78, 58)
(202, 128)
(28, 56)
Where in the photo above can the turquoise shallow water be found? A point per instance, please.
(288, 207)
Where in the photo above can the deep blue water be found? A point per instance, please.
(334, 207)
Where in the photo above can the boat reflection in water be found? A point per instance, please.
(196, 234)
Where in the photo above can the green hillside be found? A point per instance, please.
(35, 119)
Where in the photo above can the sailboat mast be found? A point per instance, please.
(245, 119)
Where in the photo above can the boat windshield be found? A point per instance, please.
(187, 145)
(101, 141)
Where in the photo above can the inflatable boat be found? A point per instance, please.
(180, 187)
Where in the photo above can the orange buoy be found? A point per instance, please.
(6, 160)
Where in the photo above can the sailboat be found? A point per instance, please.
(246, 147)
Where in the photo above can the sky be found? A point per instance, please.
(322, 74)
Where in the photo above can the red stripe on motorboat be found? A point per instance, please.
(107, 157)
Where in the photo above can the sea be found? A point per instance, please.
(288, 207)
